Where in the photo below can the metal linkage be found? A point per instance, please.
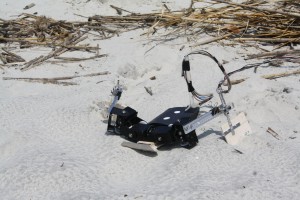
(225, 109)
(116, 93)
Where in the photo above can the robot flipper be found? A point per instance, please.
(141, 146)
(241, 129)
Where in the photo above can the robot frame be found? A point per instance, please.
(178, 124)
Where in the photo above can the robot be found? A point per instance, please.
(176, 125)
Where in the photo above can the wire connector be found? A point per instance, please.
(185, 65)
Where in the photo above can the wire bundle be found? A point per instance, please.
(202, 98)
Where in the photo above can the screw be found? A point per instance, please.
(130, 135)
(160, 139)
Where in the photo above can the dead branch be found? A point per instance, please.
(3, 59)
(86, 48)
(273, 133)
(119, 10)
(166, 7)
(80, 59)
(57, 52)
(207, 41)
(64, 83)
(57, 78)
(279, 40)
(273, 54)
(284, 74)
(29, 6)
(34, 60)
(243, 22)
(148, 90)
(260, 9)
(15, 57)
(235, 82)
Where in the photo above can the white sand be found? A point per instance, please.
(52, 138)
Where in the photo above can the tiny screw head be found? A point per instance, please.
(160, 139)
(130, 135)
(124, 111)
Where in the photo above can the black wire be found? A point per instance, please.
(196, 95)
(249, 66)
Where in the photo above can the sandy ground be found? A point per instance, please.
(52, 137)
